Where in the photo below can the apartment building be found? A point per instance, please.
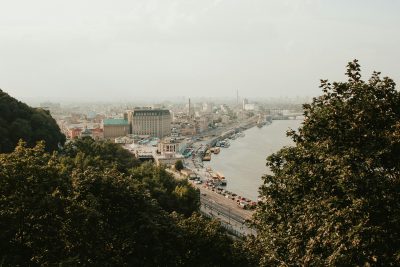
(152, 122)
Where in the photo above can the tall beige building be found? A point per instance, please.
(153, 122)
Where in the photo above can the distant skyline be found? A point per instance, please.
(126, 50)
(150, 101)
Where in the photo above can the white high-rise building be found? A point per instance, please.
(245, 102)
(207, 107)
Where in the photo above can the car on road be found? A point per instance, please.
(242, 204)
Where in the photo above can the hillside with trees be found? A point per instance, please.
(54, 210)
(333, 198)
(19, 121)
(92, 204)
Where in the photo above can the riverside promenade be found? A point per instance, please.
(216, 206)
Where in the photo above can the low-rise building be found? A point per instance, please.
(250, 107)
(203, 123)
(167, 152)
(78, 130)
(187, 129)
(225, 119)
(97, 133)
(113, 128)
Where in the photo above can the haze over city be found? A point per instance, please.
(125, 50)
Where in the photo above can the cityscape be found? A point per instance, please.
(199, 133)
(190, 133)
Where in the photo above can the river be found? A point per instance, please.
(244, 162)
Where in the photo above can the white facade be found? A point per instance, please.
(207, 108)
(250, 107)
(167, 152)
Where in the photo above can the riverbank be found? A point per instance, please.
(204, 150)
(244, 162)
(216, 206)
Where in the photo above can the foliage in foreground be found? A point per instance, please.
(333, 198)
(171, 195)
(53, 212)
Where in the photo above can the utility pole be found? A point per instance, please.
(189, 111)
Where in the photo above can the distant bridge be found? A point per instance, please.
(282, 114)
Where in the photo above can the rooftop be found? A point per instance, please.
(115, 122)
(150, 112)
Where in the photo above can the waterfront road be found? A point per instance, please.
(229, 216)
(216, 206)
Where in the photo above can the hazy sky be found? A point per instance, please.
(120, 50)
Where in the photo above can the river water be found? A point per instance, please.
(244, 162)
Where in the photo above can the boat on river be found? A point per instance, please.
(207, 157)
(216, 150)
(221, 179)
(224, 143)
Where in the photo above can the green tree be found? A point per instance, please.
(186, 198)
(171, 194)
(19, 121)
(52, 214)
(113, 222)
(85, 152)
(206, 243)
(333, 198)
(179, 165)
(32, 207)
